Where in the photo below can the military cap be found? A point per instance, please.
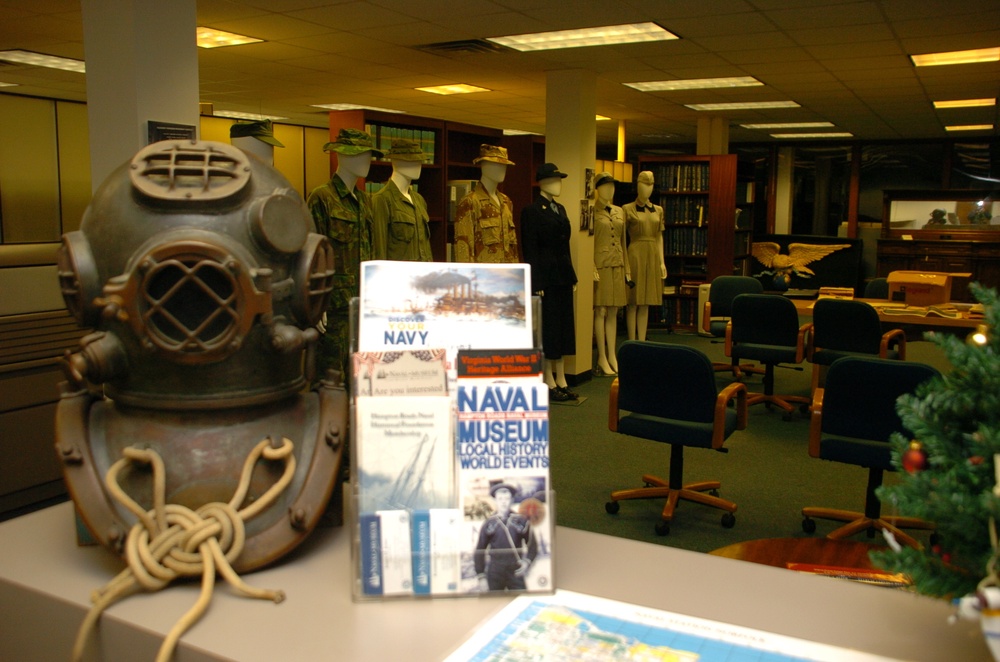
(404, 149)
(352, 142)
(604, 178)
(646, 177)
(261, 130)
(503, 486)
(548, 171)
(493, 154)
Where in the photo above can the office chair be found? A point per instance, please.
(670, 396)
(877, 288)
(842, 327)
(717, 310)
(765, 328)
(853, 418)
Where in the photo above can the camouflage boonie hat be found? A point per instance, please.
(492, 153)
(261, 130)
(403, 149)
(351, 142)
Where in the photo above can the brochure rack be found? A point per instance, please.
(449, 493)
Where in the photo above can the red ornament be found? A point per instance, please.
(914, 458)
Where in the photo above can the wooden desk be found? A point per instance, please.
(804, 306)
(779, 552)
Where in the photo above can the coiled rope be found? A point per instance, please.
(172, 541)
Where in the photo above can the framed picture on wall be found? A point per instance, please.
(586, 216)
(588, 183)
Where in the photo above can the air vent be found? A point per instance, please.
(463, 47)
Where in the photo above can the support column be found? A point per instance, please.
(784, 191)
(142, 65)
(571, 143)
(713, 135)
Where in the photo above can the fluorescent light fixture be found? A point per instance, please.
(745, 105)
(969, 127)
(43, 60)
(831, 134)
(965, 103)
(518, 132)
(601, 118)
(957, 57)
(599, 36)
(695, 84)
(211, 38)
(237, 115)
(2, 84)
(790, 125)
(456, 88)
(353, 106)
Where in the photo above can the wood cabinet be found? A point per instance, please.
(704, 237)
(957, 241)
(454, 145)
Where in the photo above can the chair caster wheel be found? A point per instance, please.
(663, 528)
(809, 525)
(714, 493)
(611, 507)
(728, 521)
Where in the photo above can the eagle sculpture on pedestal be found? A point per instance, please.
(782, 266)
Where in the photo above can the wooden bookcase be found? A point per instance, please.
(455, 145)
(703, 237)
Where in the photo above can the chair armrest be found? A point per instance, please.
(729, 338)
(737, 390)
(706, 313)
(893, 337)
(810, 340)
(800, 342)
(613, 407)
(815, 422)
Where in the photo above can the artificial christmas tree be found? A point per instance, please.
(948, 468)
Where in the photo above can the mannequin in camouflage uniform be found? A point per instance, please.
(344, 214)
(484, 220)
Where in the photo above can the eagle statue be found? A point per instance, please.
(781, 266)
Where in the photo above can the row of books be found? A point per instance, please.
(451, 434)
(684, 211)
(384, 135)
(685, 241)
(680, 312)
(679, 177)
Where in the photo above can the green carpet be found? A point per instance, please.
(767, 470)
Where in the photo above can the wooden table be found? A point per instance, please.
(779, 552)
(804, 306)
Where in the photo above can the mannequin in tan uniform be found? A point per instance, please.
(484, 221)
(644, 227)
(611, 273)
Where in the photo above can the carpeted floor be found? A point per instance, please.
(767, 471)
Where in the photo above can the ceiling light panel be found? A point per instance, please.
(211, 38)
(43, 60)
(831, 134)
(969, 127)
(457, 88)
(790, 125)
(353, 106)
(743, 105)
(695, 84)
(599, 36)
(965, 103)
(237, 115)
(957, 57)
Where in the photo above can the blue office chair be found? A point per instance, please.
(853, 417)
(877, 288)
(765, 328)
(717, 311)
(843, 327)
(670, 395)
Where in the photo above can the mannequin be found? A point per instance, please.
(343, 213)
(611, 273)
(484, 221)
(545, 234)
(256, 138)
(644, 227)
(402, 224)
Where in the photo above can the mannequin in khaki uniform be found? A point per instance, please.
(484, 222)
(611, 273)
(644, 227)
(402, 230)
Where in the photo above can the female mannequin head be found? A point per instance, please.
(550, 180)
(604, 188)
(552, 186)
(644, 185)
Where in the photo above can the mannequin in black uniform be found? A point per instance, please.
(545, 232)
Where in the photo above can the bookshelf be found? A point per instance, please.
(453, 146)
(704, 237)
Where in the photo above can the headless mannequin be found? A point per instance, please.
(403, 173)
(606, 317)
(555, 369)
(352, 167)
(493, 175)
(258, 148)
(637, 317)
